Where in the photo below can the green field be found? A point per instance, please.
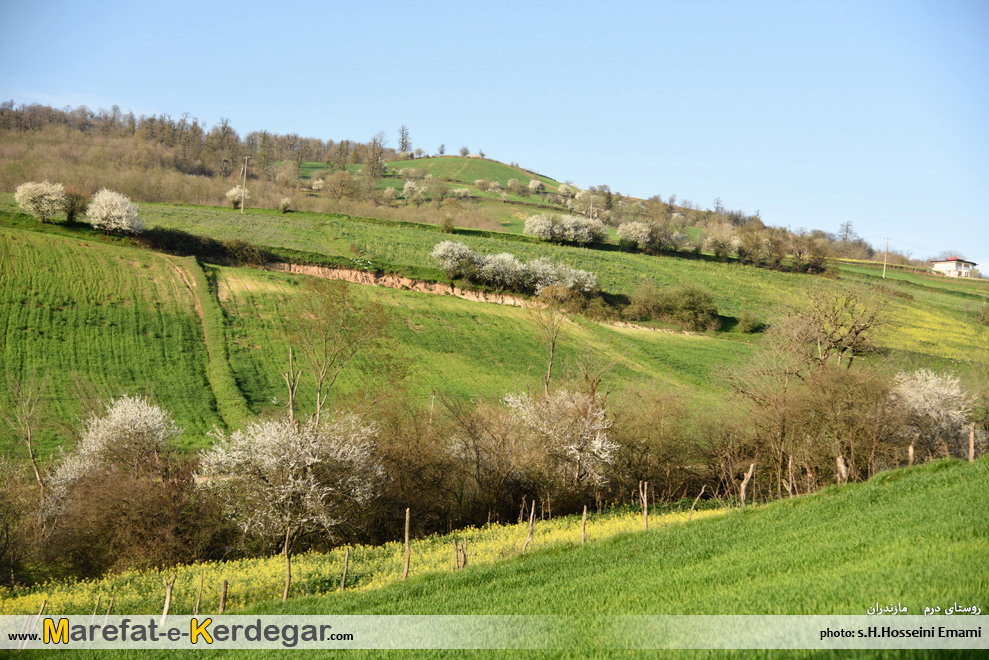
(101, 320)
(915, 536)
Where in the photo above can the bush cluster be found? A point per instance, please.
(653, 237)
(566, 229)
(688, 306)
(507, 273)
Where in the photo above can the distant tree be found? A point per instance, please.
(442, 149)
(535, 186)
(340, 185)
(237, 196)
(42, 200)
(331, 325)
(419, 152)
(464, 151)
(111, 211)
(846, 234)
(285, 205)
(389, 194)
(404, 143)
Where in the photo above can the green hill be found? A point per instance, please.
(92, 311)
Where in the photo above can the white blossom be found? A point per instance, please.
(42, 200)
(275, 477)
(572, 428)
(111, 211)
(238, 196)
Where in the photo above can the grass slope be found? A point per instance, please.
(930, 318)
(100, 320)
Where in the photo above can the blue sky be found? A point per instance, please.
(812, 113)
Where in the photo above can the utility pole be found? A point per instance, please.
(885, 255)
(243, 199)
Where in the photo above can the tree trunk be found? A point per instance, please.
(532, 523)
(408, 550)
(199, 597)
(745, 481)
(288, 564)
(583, 527)
(346, 563)
(692, 506)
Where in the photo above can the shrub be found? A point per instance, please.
(389, 194)
(565, 190)
(42, 200)
(237, 196)
(285, 205)
(535, 186)
(460, 193)
(456, 259)
(494, 187)
(688, 306)
(749, 322)
(76, 203)
(111, 211)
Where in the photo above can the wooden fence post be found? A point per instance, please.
(199, 597)
(408, 550)
(223, 597)
(346, 563)
(691, 514)
(745, 481)
(971, 444)
(532, 522)
(168, 597)
(583, 527)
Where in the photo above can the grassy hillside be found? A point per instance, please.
(929, 316)
(916, 536)
(123, 327)
(98, 319)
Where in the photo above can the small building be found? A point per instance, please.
(953, 267)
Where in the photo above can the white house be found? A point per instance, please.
(954, 267)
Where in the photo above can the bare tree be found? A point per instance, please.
(24, 412)
(331, 326)
(549, 322)
(404, 143)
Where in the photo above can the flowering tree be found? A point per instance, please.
(111, 211)
(281, 480)
(132, 434)
(43, 200)
(505, 271)
(535, 186)
(937, 406)
(238, 196)
(460, 193)
(566, 229)
(572, 428)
